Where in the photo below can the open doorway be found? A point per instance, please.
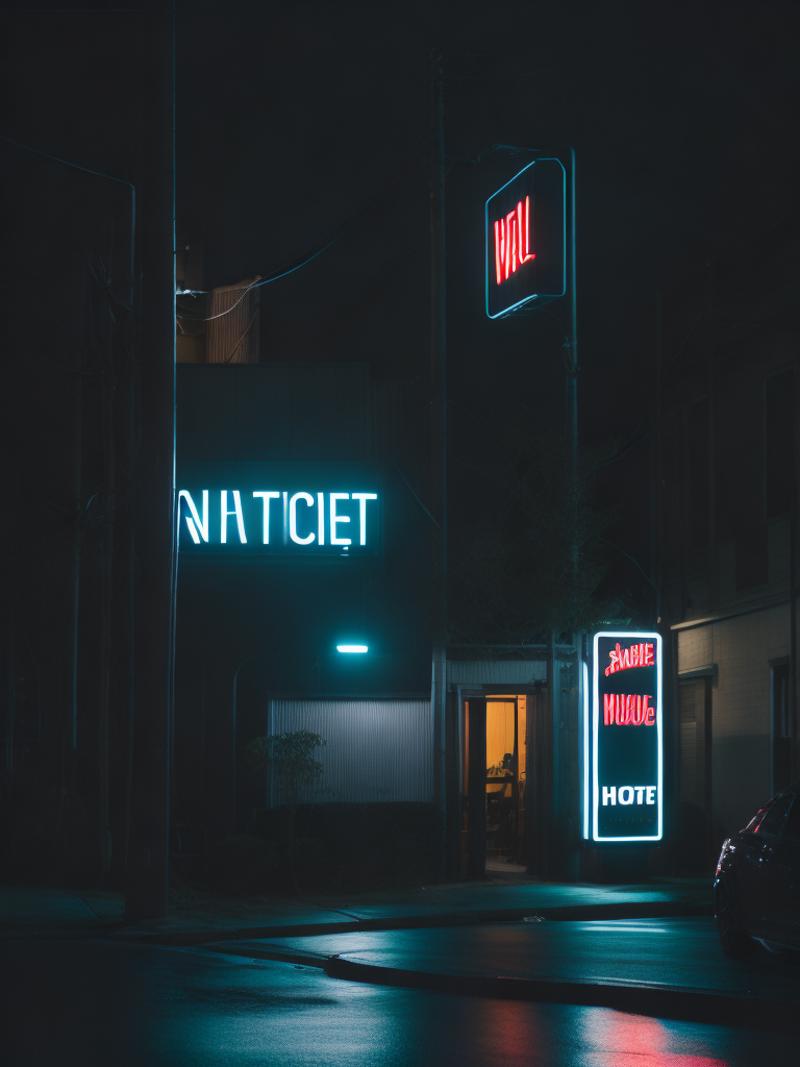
(495, 781)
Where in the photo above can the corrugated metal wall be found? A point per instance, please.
(487, 672)
(232, 336)
(375, 751)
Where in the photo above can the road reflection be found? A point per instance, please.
(616, 1039)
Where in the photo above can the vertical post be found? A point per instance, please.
(438, 334)
(11, 688)
(476, 788)
(75, 557)
(148, 868)
(794, 757)
(568, 848)
(572, 378)
(106, 344)
(657, 475)
(554, 747)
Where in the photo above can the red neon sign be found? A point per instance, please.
(512, 246)
(628, 709)
(624, 659)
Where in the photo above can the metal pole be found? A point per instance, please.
(569, 858)
(438, 330)
(794, 756)
(148, 869)
(572, 378)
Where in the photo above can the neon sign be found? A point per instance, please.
(532, 203)
(627, 750)
(277, 518)
(628, 709)
(623, 659)
(512, 241)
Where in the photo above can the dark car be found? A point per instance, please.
(757, 881)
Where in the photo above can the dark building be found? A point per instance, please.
(728, 536)
(325, 548)
(265, 623)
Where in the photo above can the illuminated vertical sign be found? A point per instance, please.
(525, 238)
(627, 730)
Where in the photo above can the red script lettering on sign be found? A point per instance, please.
(628, 709)
(622, 659)
(512, 241)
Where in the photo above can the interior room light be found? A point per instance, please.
(352, 649)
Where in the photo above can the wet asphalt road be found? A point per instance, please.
(110, 1003)
(672, 952)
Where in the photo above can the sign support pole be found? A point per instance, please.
(438, 337)
(147, 875)
(572, 378)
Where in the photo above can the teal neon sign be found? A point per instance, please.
(274, 519)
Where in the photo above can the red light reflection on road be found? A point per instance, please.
(620, 1040)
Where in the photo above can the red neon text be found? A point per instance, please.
(628, 709)
(512, 245)
(622, 659)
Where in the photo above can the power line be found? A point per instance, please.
(257, 285)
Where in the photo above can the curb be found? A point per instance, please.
(574, 913)
(697, 1005)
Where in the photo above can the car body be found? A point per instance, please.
(757, 880)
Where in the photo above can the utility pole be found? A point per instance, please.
(438, 336)
(154, 503)
(572, 375)
(565, 729)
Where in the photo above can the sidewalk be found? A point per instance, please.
(196, 918)
(27, 912)
(612, 945)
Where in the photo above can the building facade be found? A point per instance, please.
(280, 631)
(728, 547)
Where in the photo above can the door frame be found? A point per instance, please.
(538, 791)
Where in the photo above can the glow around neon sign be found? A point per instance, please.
(627, 738)
(526, 237)
(275, 519)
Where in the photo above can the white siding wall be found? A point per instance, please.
(487, 672)
(695, 648)
(741, 722)
(375, 750)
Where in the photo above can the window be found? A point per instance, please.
(773, 821)
(755, 822)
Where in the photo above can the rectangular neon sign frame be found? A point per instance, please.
(659, 725)
(488, 243)
(586, 759)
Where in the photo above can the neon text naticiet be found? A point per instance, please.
(276, 517)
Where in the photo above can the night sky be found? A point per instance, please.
(304, 124)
